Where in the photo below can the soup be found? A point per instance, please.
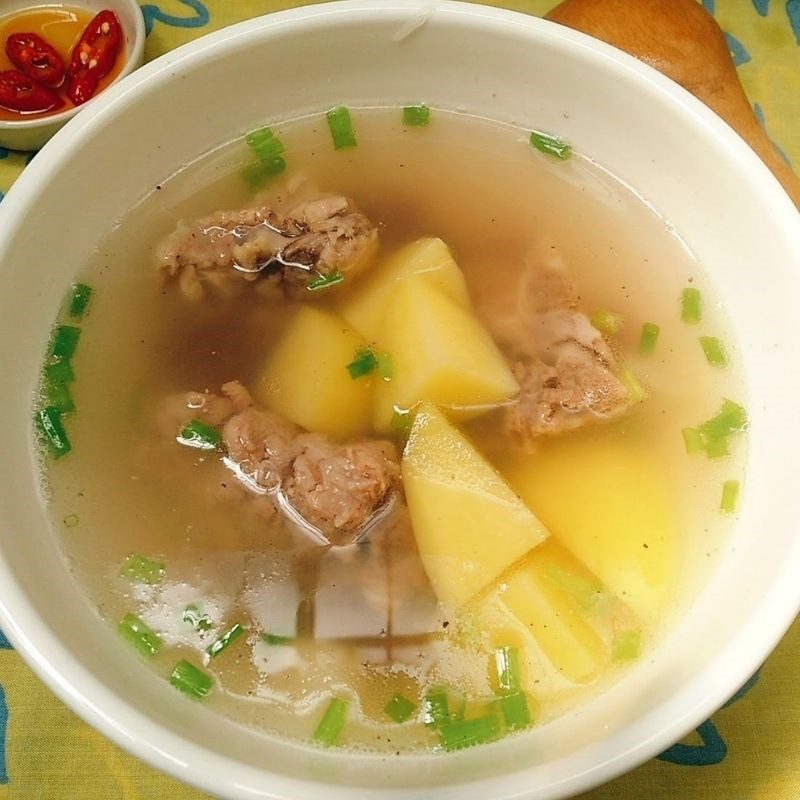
(399, 437)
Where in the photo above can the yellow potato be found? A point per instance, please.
(429, 259)
(546, 594)
(306, 379)
(440, 353)
(607, 503)
(468, 524)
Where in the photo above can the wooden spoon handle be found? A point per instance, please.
(682, 40)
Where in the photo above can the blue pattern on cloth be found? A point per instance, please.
(713, 749)
(152, 14)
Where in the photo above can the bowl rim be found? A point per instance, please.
(116, 717)
(135, 55)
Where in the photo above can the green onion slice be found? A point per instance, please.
(400, 708)
(509, 673)
(264, 144)
(276, 639)
(401, 422)
(516, 711)
(416, 116)
(717, 448)
(59, 372)
(58, 396)
(626, 645)
(730, 497)
(607, 321)
(79, 299)
(435, 707)
(584, 591)
(325, 281)
(731, 418)
(468, 732)
(51, 425)
(341, 127)
(551, 145)
(363, 364)
(64, 342)
(196, 618)
(691, 306)
(191, 680)
(636, 392)
(649, 337)
(140, 635)
(693, 440)
(714, 351)
(256, 174)
(332, 722)
(140, 569)
(226, 640)
(200, 435)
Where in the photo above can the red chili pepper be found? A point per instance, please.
(36, 58)
(20, 93)
(94, 56)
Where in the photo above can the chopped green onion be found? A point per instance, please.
(469, 732)
(52, 428)
(649, 337)
(60, 372)
(626, 645)
(607, 321)
(140, 569)
(715, 352)
(64, 342)
(584, 591)
(364, 363)
(435, 707)
(71, 520)
(417, 116)
(226, 640)
(693, 440)
(516, 711)
(325, 281)
(79, 299)
(191, 680)
(198, 434)
(400, 708)
(277, 639)
(509, 674)
(636, 392)
(385, 366)
(341, 127)
(332, 722)
(58, 396)
(402, 421)
(551, 145)
(691, 306)
(256, 174)
(731, 418)
(264, 144)
(730, 497)
(196, 618)
(717, 448)
(140, 635)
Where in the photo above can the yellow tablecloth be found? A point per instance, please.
(749, 750)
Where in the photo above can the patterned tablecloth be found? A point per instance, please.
(749, 750)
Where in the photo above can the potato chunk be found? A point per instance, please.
(544, 594)
(440, 353)
(468, 524)
(606, 501)
(429, 258)
(306, 379)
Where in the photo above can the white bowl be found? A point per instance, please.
(31, 134)
(502, 65)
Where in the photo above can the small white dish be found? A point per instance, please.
(31, 134)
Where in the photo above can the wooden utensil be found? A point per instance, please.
(682, 40)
